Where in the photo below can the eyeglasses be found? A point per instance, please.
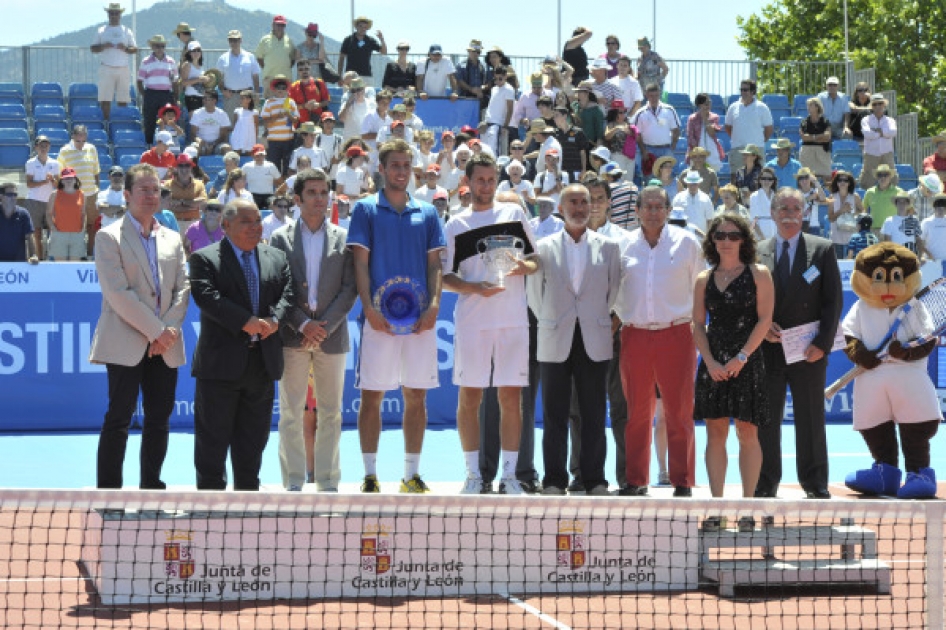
(157, 45)
(879, 175)
(517, 148)
(861, 90)
(611, 43)
(722, 236)
(766, 179)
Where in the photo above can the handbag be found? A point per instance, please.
(630, 143)
(847, 222)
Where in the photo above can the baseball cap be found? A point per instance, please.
(163, 137)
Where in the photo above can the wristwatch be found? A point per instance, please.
(742, 357)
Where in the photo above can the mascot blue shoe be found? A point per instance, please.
(878, 479)
(921, 485)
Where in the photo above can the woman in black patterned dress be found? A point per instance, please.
(738, 295)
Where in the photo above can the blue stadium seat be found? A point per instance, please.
(724, 140)
(732, 99)
(116, 126)
(7, 99)
(46, 89)
(44, 101)
(127, 160)
(717, 101)
(99, 139)
(89, 115)
(12, 88)
(245, 159)
(57, 137)
(13, 115)
(842, 147)
(212, 164)
(778, 113)
(677, 99)
(14, 147)
(776, 100)
(849, 163)
(76, 103)
(83, 91)
(128, 137)
(47, 113)
(789, 123)
(800, 104)
(129, 113)
(684, 112)
(105, 161)
(906, 171)
(132, 150)
(43, 126)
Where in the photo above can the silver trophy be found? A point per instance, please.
(500, 253)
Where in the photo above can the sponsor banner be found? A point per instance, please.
(48, 315)
(147, 557)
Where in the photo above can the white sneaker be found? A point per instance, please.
(510, 486)
(472, 485)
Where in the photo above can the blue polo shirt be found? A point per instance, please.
(13, 233)
(398, 241)
(785, 174)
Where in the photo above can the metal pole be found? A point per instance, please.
(848, 66)
(847, 54)
(653, 28)
(352, 15)
(558, 38)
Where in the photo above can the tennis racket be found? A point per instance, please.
(933, 300)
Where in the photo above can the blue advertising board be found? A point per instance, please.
(48, 315)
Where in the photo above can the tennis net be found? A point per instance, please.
(289, 560)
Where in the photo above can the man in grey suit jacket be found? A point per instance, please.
(314, 332)
(807, 289)
(572, 295)
(144, 298)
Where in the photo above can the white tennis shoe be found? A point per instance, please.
(472, 485)
(510, 486)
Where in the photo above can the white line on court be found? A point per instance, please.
(532, 610)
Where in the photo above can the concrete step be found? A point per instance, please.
(793, 536)
(728, 574)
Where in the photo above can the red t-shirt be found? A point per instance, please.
(304, 91)
(933, 164)
(165, 160)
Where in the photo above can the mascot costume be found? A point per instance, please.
(895, 392)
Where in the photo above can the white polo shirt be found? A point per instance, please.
(656, 125)
(699, 208)
(38, 171)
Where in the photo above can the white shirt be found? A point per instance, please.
(524, 188)
(38, 171)
(316, 155)
(313, 246)
(699, 208)
(616, 233)
(226, 196)
(657, 287)
(542, 228)
(427, 194)
(272, 223)
(874, 144)
(748, 122)
(349, 180)
(496, 110)
(576, 257)
(656, 125)
(260, 179)
(506, 309)
(550, 143)
(209, 124)
(109, 34)
(760, 209)
(111, 197)
(630, 90)
(934, 236)
(436, 76)
(899, 231)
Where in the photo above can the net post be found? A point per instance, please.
(934, 566)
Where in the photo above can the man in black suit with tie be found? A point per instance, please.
(243, 289)
(807, 289)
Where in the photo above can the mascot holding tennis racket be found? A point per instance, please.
(891, 331)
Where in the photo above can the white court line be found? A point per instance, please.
(532, 610)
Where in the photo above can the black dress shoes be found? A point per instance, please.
(817, 493)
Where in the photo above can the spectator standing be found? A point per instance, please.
(701, 132)
(240, 70)
(245, 124)
(280, 116)
(262, 177)
(656, 305)
(574, 54)
(760, 205)
(632, 95)
(234, 188)
(157, 83)
(354, 110)
(317, 158)
(312, 50)
(620, 137)
(82, 157)
(16, 227)
(933, 230)
(612, 55)
(844, 206)
(210, 126)
(471, 73)
(816, 132)
(275, 54)
(606, 91)
(835, 107)
(185, 35)
(622, 194)
(659, 127)
(651, 67)
(748, 121)
(309, 93)
(356, 49)
(115, 44)
(400, 75)
(66, 216)
(42, 174)
(936, 163)
(140, 266)
(192, 76)
(879, 131)
(859, 110)
(314, 333)
(746, 179)
(435, 74)
(498, 120)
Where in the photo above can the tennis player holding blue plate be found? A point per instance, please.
(396, 242)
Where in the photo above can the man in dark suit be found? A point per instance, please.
(807, 289)
(243, 289)
(314, 333)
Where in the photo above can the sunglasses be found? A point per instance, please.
(879, 175)
(745, 89)
(722, 236)
(281, 206)
(766, 179)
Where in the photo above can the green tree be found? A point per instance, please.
(904, 40)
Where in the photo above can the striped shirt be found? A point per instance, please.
(274, 113)
(158, 74)
(85, 161)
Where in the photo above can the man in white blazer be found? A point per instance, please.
(145, 294)
(572, 295)
(314, 333)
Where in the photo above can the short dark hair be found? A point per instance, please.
(747, 251)
(597, 182)
(303, 176)
(136, 171)
(701, 98)
(481, 159)
(750, 84)
(500, 70)
(397, 145)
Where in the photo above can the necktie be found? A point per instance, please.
(783, 269)
(251, 285)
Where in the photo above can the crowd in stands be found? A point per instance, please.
(244, 127)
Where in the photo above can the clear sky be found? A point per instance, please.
(685, 29)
